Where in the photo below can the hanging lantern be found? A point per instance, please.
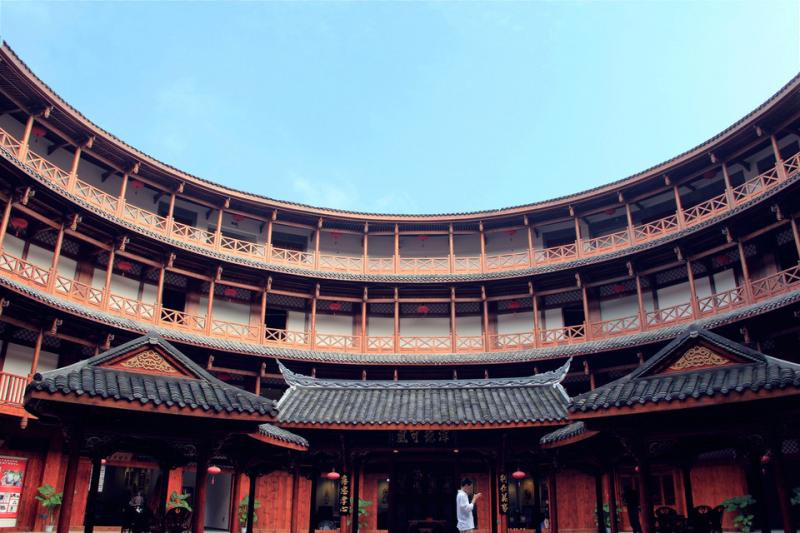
(710, 174)
(229, 292)
(333, 475)
(19, 224)
(335, 307)
(610, 211)
(335, 235)
(511, 232)
(619, 288)
(636, 469)
(125, 266)
(423, 309)
(423, 238)
(103, 461)
(237, 217)
(136, 184)
(38, 131)
(723, 260)
(514, 305)
(518, 474)
(766, 459)
(213, 470)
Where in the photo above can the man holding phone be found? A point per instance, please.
(465, 521)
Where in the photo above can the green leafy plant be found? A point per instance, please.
(243, 510)
(796, 496)
(607, 515)
(50, 500)
(363, 513)
(742, 506)
(179, 501)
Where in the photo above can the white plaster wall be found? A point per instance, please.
(435, 246)
(725, 280)
(469, 326)
(466, 245)
(501, 242)
(296, 321)
(39, 256)
(346, 244)
(380, 326)
(19, 358)
(424, 326)
(674, 295)
(13, 245)
(519, 322)
(224, 310)
(122, 286)
(13, 127)
(381, 246)
(552, 318)
(619, 307)
(335, 324)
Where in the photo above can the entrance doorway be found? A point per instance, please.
(422, 498)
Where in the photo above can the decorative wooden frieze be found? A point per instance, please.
(149, 361)
(698, 357)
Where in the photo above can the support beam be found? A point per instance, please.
(200, 489)
(553, 492)
(598, 497)
(645, 497)
(612, 501)
(91, 498)
(251, 501)
(70, 479)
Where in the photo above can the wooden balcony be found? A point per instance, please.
(59, 286)
(12, 390)
(175, 231)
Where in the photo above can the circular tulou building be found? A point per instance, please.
(618, 356)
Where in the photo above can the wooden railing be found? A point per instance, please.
(12, 389)
(71, 290)
(518, 259)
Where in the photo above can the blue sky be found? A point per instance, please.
(410, 106)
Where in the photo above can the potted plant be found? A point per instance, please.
(243, 512)
(50, 500)
(363, 514)
(607, 516)
(742, 506)
(179, 501)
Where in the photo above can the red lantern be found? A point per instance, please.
(514, 305)
(136, 184)
(511, 232)
(710, 174)
(636, 469)
(214, 470)
(610, 211)
(229, 292)
(38, 131)
(333, 475)
(423, 238)
(723, 260)
(335, 306)
(125, 266)
(619, 288)
(423, 309)
(19, 224)
(518, 474)
(237, 217)
(335, 235)
(766, 459)
(104, 461)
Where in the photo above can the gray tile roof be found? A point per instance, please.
(199, 390)
(274, 432)
(567, 432)
(751, 371)
(533, 400)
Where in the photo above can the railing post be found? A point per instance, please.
(51, 282)
(364, 266)
(453, 323)
(396, 330)
(317, 234)
(73, 169)
(396, 248)
(692, 290)
(159, 295)
(218, 229)
(679, 207)
(585, 297)
(364, 307)
(452, 248)
(529, 231)
(268, 243)
(640, 301)
(170, 213)
(728, 188)
(483, 246)
(629, 217)
(792, 221)
(778, 159)
(4, 222)
(107, 282)
(26, 137)
(578, 241)
(122, 192)
(748, 288)
(535, 305)
(210, 305)
(313, 340)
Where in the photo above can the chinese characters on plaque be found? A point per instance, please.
(421, 438)
(344, 494)
(503, 489)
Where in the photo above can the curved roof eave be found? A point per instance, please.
(8, 55)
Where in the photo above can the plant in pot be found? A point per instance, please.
(607, 516)
(50, 500)
(363, 513)
(743, 507)
(243, 512)
(179, 501)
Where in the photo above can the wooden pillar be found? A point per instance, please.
(678, 212)
(7, 217)
(612, 501)
(453, 323)
(91, 498)
(317, 233)
(364, 308)
(755, 486)
(645, 498)
(487, 334)
(251, 502)
(56, 256)
(396, 248)
(355, 489)
(531, 243)
(688, 496)
(365, 259)
(70, 478)
(73, 168)
(122, 192)
(692, 290)
(160, 292)
(37, 351)
(629, 217)
(778, 159)
(107, 282)
(483, 246)
(171, 211)
(553, 493)
(578, 243)
(792, 221)
(268, 244)
(295, 495)
(748, 290)
(726, 177)
(536, 325)
(210, 304)
(501, 469)
(779, 477)
(163, 489)
(396, 320)
(537, 508)
(598, 498)
(200, 490)
(451, 247)
(585, 297)
(640, 301)
(314, 316)
(26, 138)
(262, 313)
(236, 483)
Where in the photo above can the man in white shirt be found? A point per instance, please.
(465, 522)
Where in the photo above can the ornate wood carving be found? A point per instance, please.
(149, 361)
(698, 357)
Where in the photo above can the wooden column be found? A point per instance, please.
(578, 247)
(692, 290)
(70, 478)
(91, 498)
(218, 229)
(678, 212)
(160, 293)
(486, 332)
(553, 493)
(640, 300)
(451, 245)
(585, 297)
(122, 192)
(645, 498)
(251, 501)
(236, 479)
(200, 490)
(210, 304)
(629, 217)
(355, 489)
(37, 351)
(6, 218)
(365, 259)
(728, 187)
(317, 233)
(364, 308)
(781, 489)
(268, 244)
(778, 159)
(612, 500)
(73, 168)
(535, 303)
(598, 498)
(501, 469)
(314, 316)
(295, 494)
(396, 320)
(748, 289)
(51, 282)
(262, 312)
(453, 324)
(107, 282)
(26, 138)
(537, 508)
(483, 246)
(171, 211)
(396, 248)
(688, 496)
(792, 221)
(163, 489)
(531, 242)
